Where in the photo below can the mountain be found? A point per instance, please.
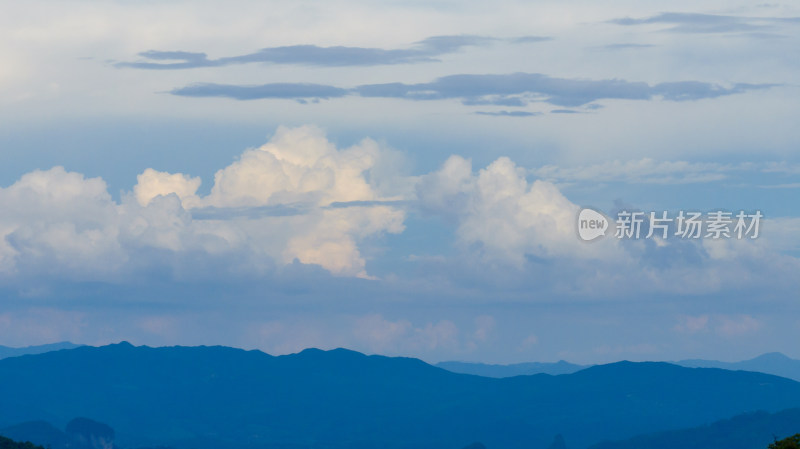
(747, 431)
(772, 363)
(81, 433)
(516, 369)
(210, 397)
(6, 351)
(39, 432)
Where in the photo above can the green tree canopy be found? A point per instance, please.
(793, 442)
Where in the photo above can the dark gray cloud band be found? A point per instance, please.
(516, 89)
(426, 50)
(293, 91)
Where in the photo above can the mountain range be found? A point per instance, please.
(6, 351)
(211, 397)
(515, 369)
(746, 431)
(772, 363)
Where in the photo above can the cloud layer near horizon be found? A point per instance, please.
(299, 199)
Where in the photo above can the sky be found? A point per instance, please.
(400, 177)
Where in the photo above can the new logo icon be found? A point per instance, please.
(591, 224)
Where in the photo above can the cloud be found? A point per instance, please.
(790, 185)
(274, 90)
(66, 225)
(505, 224)
(426, 50)
(782, 167)
(40, 325)
(501, 215)
(722, 325)
(734, 326)
(524, 88)
(529, 341)
(623, 46)
(708, 23)
(484, 326)
(509, 113)
(692, 324)
(516, 89)
(379, 334)
(300, 206)
(644, 171)
(530, 39)
(152, 183)
(61, 222)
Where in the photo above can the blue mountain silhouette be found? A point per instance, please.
(211, 397)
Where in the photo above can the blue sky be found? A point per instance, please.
(400, 178)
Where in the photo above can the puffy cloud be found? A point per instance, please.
(64, 224)
(60, 222)
(152, 183)
(300, 166)
(296, 165)
(331, 239)
(502, 220)
(502, 215)
(300, 199)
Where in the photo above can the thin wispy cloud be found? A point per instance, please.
(644, 171)
(679, 22)
(255, 212)
(427, 50)
(623, 46)
(509, 113)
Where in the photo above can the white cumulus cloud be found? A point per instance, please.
(503, 215)
(61, 222)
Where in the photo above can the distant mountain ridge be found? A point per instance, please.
(6, 351)
(746, 431)
(211, 397)
(773, 363)
(515, 369)
(81, 433)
